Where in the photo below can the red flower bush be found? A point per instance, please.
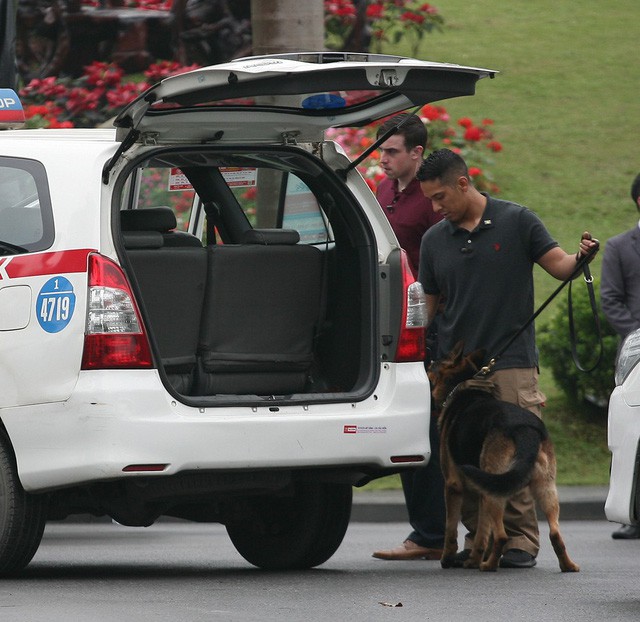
(92, 99)
(388, 22)
(339, 19)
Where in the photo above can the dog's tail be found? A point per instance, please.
(527, 444)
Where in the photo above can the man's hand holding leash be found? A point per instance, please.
(588, 244)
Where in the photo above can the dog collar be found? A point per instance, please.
(479, 383)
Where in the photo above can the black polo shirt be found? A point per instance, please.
(486, 279)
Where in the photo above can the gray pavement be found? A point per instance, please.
(576, 503)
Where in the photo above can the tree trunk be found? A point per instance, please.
(7, 44)
(280, 26)
(287, 26)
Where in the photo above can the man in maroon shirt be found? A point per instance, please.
(408, 210)
(410, 215)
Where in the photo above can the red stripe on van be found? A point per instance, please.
(39, 264)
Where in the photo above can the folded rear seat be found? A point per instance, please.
(261, 312)
(170, 269)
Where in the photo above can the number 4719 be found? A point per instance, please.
(55, 308)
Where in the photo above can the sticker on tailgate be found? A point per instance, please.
(55, 304)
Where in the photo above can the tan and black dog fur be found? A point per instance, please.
(495, 448)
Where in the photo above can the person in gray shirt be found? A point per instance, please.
(620, 297)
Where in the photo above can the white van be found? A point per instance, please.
(204, 312)
(623, 500)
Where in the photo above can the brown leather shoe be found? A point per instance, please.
(408, 550)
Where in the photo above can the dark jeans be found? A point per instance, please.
(424, 487)
(424, 496)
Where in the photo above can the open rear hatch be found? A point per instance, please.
(301, 94)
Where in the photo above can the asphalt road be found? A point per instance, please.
(188, 572)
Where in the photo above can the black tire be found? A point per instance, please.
(22, 515)
(294, 532)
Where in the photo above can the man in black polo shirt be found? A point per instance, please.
(479, 259)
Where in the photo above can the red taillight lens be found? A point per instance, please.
(116, 352)
(411, 343)
(115, 336)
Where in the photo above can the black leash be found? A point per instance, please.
(582, 265)
(588, 279)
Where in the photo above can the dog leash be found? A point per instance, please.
(588, 279)
(582, 265)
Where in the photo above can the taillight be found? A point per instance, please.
(411, 343)
(114, 336)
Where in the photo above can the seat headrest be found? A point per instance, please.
(270, 237)
(161, 219)
(142, 239)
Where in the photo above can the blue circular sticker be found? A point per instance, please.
(55, 304)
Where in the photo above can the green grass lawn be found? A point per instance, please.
(566, 111)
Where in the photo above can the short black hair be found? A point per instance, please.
(413, 129)
(443, 164)
(635, 190)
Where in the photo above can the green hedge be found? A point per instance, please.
(554, 343)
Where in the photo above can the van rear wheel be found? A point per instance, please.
(22, 515)
(294, 532)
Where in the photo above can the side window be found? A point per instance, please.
(271, 198)
(161, 186)
(257, 191)
(26, 219)
(302, 212)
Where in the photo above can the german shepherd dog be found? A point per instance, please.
(494, 448)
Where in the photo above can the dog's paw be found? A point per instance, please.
(448, 561)
(572, 567)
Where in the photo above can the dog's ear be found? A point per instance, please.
(477, 357)
(456, 353)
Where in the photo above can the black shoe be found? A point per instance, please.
(517, 558)
(627, 532)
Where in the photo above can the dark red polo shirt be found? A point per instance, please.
(410, 214)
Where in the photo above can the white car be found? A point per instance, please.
(623, 500)
(205, 314)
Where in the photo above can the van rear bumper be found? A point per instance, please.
(119, 421)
